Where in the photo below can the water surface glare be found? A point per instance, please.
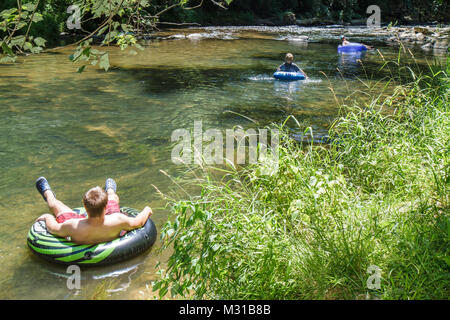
(79, 129)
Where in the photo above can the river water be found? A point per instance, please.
(79, 129)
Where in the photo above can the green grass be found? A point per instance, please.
(377, 196)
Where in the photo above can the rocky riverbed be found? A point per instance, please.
(430, 38)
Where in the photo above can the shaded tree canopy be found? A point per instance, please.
(325, 11)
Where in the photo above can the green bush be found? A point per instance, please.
(378, 195)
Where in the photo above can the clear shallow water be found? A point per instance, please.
(77, 130)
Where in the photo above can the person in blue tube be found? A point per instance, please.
(346, 42)
(290, 66)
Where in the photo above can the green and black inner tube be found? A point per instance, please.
(63, 251)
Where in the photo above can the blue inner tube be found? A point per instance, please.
(290, 76)
(352, 47)
(63, 251)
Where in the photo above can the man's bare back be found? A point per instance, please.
(88, 231)
(102, 225)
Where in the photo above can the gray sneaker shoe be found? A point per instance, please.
(110, 184)
(42, 185)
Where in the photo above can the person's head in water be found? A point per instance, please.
(343, 37)
(95, 201)
(289, 58)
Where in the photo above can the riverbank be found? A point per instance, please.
(364, 218)
(428, 38)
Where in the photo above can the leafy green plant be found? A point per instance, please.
(115, 22)
(390, 25)
(377, 195)
(15, 24)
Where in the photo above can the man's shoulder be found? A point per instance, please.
(116, 217)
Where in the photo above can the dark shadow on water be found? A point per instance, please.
(55, 53)
(166, 80)
(156, 141)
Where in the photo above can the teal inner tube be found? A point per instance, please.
(289, 76)
(63, 251)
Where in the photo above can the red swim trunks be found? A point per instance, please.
(111, 207)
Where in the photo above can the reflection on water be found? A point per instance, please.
(351, 62)
(286, 88)
(79, 129)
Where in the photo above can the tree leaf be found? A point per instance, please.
(8, 59)
(20, 25)
(97, 52)
(6, 49)
(104, 62)
(28, 6)
(40, 41)
(125, 27)
(17, 41)
(8, 12)
(35, 49)
(37, 17)
(27, 46)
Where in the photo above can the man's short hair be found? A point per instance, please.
(289, 56)
(95, 201)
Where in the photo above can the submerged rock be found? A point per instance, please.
(441, 44)
(427, 46)
(426, 37)
(424, 30)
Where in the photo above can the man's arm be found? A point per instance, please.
(55, 228)
(131, 223)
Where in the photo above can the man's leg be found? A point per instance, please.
(113, 198)
(56, 206)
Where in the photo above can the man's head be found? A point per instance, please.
(95, 201)
(289, 58)
(342, 37)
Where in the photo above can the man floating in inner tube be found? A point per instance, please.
(345, 42)
(104, 221)
(289, 66)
